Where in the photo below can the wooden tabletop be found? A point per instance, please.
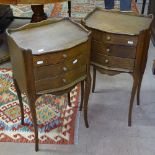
(49, 36)
(117, 22)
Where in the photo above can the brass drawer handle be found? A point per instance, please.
(108, 49)
(40, 62)
(64, 80)
(108, 38)
(130, 42)
(106, 61)
(75, 61)
(64, 55)
(65, 69)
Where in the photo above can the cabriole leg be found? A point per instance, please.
(94, 79)
(86, 98)
(20, 100)
(133, 92)
(34, 119)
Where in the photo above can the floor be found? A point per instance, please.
(108, 110)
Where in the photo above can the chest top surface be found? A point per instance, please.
(117, 22)
(49, 36)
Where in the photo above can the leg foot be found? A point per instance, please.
(135, 83)
(36, 147)
(34, 119)
(86, 118)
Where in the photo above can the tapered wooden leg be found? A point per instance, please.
(138, 89)
(34, 119)
(94, 79)
(69, 8)
(86, 98)
(69, 99)
(82, 95)
(134, 88)
(20, 100)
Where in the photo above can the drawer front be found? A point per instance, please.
(58, 57)
(113, 50)
(118, 39)
(58, 69)
(60, 81)
(113, 62)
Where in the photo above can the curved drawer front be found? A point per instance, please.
(113, 62)
(58, 57)
(118, 39)
(61, 80)
(113, 50)
(58, 69)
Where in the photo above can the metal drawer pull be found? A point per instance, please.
(106, 61)
(65, 69)
(64, 55)
(64, 80)
(75, 61)
(130, 42)
(108, 50)
(108, 37)
(40, 62)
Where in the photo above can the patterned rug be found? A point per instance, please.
(56, 126)
(80, 8)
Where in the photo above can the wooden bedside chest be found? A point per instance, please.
(50, 57)
(120, 44)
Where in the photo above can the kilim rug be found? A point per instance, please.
(56, 125)
(80, 8)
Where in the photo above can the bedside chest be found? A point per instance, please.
(50, 57)
(120, 44)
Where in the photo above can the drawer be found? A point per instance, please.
(58, 57)
(113, 50)
(58, 69)
(113, 62)
(119, 39)
(60, 81)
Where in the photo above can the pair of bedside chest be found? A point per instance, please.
(54, 55)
